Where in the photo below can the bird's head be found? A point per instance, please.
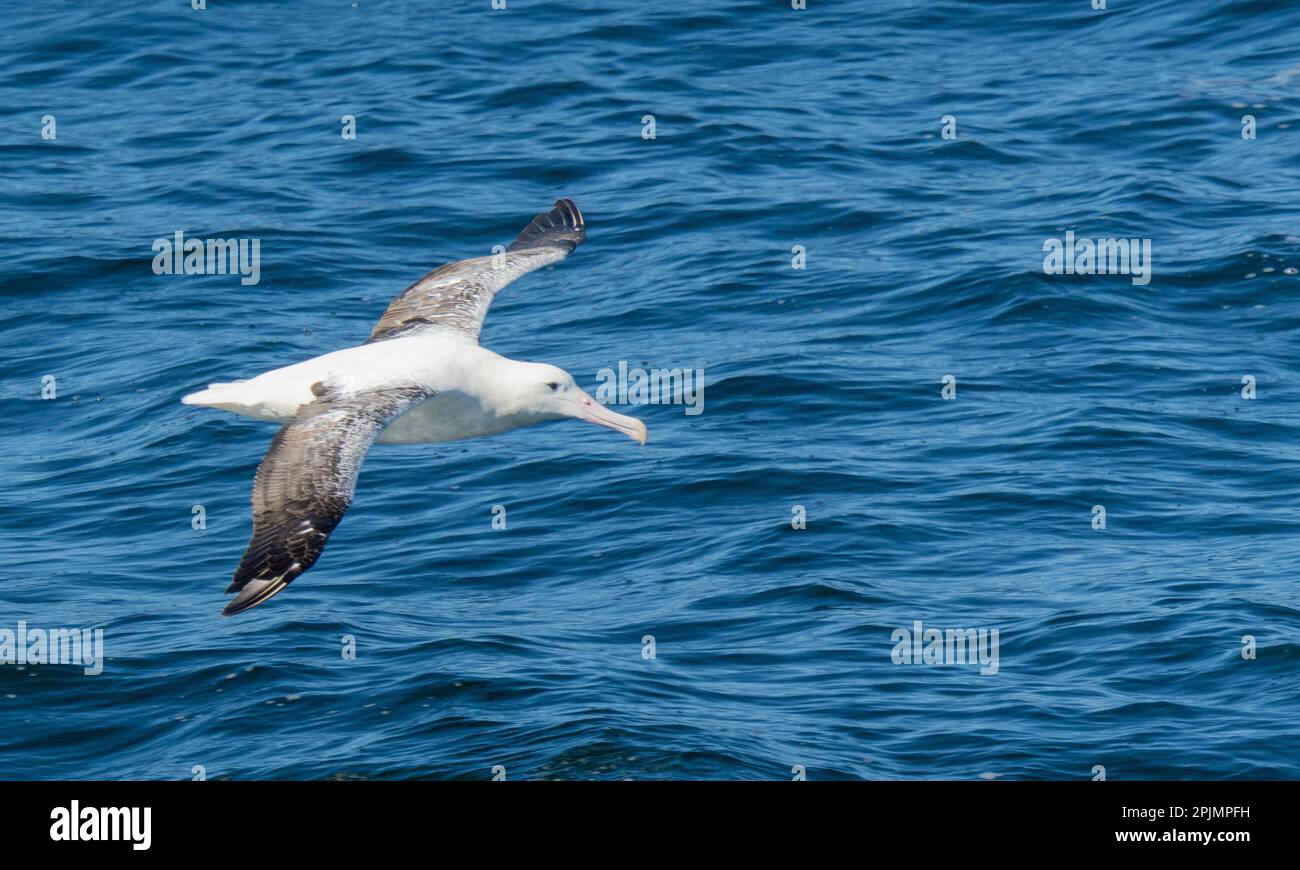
(550, 393)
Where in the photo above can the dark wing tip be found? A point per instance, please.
(254, 594)
(276, 556)
(561, 227)
(253, 590)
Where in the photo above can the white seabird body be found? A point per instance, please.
(421, 377)
(471, 387)
(464, 376)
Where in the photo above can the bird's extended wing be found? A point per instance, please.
(305, 484)
(458, 294)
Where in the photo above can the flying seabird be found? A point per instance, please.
(421, 377)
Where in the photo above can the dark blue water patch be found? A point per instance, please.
(526, 648)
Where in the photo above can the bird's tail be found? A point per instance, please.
(237, 397)
(214, 396)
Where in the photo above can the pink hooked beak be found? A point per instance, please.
(594, 412)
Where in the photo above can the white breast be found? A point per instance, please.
(449, 416)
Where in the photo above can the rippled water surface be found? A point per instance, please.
(773, 128)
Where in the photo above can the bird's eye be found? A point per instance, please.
(554, 386)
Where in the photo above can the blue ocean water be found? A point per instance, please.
(1126, 647)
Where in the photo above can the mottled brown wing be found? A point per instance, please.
(458, 294)
(305, 484)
